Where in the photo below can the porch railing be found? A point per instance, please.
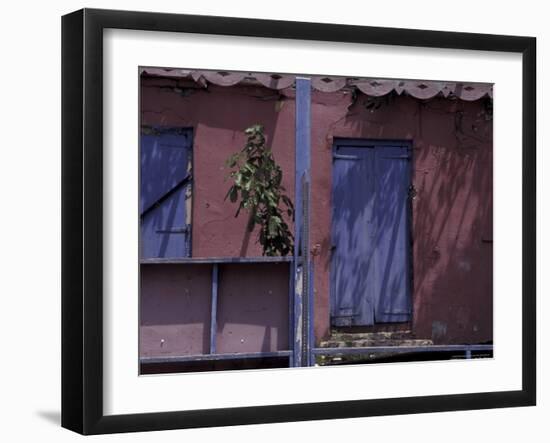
(213, 355)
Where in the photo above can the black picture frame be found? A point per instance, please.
(82, 218)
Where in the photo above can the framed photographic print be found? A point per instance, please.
(270, 221)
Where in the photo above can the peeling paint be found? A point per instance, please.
(439, 331)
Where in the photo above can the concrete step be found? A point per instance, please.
(366, 339)
(392, 335)
(362, 343)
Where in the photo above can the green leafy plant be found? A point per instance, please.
(257, 188)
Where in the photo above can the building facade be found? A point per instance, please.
(399, 221)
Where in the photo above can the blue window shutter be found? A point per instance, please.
(165, 186)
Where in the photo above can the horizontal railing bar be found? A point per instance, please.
(400, 349)
(212, 357)
(210, 260)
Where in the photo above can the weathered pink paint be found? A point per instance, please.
(452, 175)
(175, 308)
(253, 308)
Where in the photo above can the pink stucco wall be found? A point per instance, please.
(452, 175)
(218, 118)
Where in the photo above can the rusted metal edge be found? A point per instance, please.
(213, 357)
(400, 349)
(214, 309)
(211, 260)
(373, 87)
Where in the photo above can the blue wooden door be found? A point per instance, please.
(165, 185)
(370, 275)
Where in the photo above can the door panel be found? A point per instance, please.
(370, 247)
(352, 247)
(392, 301)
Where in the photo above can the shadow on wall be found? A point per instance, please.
(451, 211)
(453, 236)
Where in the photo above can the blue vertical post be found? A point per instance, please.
(214, 309)
(301, 218)
(311, 316)
(291, 312)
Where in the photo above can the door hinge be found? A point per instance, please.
(345, 157)
(398, 157)
(174, 230)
